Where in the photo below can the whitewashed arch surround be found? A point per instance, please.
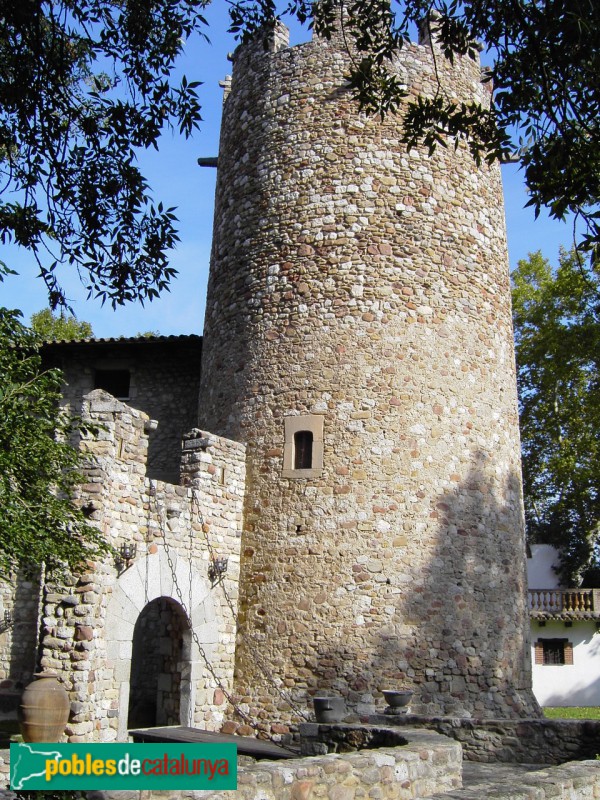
(149, 578)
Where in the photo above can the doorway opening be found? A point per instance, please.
(157, 664)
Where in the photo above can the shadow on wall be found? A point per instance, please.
(579, 696)
(18, 641)
(459, 631)
(24, 659)
(470, 643)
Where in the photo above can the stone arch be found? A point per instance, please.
(150, 578)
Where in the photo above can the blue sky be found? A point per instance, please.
(177, 180)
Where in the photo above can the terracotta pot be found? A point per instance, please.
(44, 709)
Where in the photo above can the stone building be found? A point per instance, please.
(159, 375)
(147, 636)
(361, 471)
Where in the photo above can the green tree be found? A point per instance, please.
(83, 86)
(65, 327)
(545, 71)
(39, 469)
(557, 332)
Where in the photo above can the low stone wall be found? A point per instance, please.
(533, 741)
(401, 772)
(426, 764)
(574, 781)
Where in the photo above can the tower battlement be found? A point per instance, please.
(420, 66)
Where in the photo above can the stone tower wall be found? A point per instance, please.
(361, 291)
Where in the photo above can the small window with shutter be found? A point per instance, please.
(553, 652)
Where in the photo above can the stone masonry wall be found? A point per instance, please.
(88, 627)
(164, 380)
(362, 291)
(529, 741)
(350, 776)
(573, 781)
(19, 599)
(425, 764)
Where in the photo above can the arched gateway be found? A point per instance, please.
(161, 647)
(151, 586)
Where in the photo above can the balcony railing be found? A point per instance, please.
(564, 601)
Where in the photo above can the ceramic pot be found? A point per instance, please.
(44, 709)
(329, 709)
(397, 698)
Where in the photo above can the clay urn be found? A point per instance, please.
(44, 709)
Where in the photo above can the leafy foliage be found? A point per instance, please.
(557, 329)
(148, 334)
(572, 712)
(545, 73)
(64, 327)
(39, 469)
(83, 86)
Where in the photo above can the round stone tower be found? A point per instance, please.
(358, 340)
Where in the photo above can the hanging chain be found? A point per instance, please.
(258, 658)
(207, 663)
(151, 493)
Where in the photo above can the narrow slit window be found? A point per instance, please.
(303, 447)
(303, 450)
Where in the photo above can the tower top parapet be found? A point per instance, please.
(420, 66)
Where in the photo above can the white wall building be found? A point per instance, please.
(564, 635)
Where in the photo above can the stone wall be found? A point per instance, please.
(20, 600)
(419, 768)
(574, 781)
(164, 375)
(88, 626)
(360, 293)
(533, 741)
(388, 773)
(425, 764)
